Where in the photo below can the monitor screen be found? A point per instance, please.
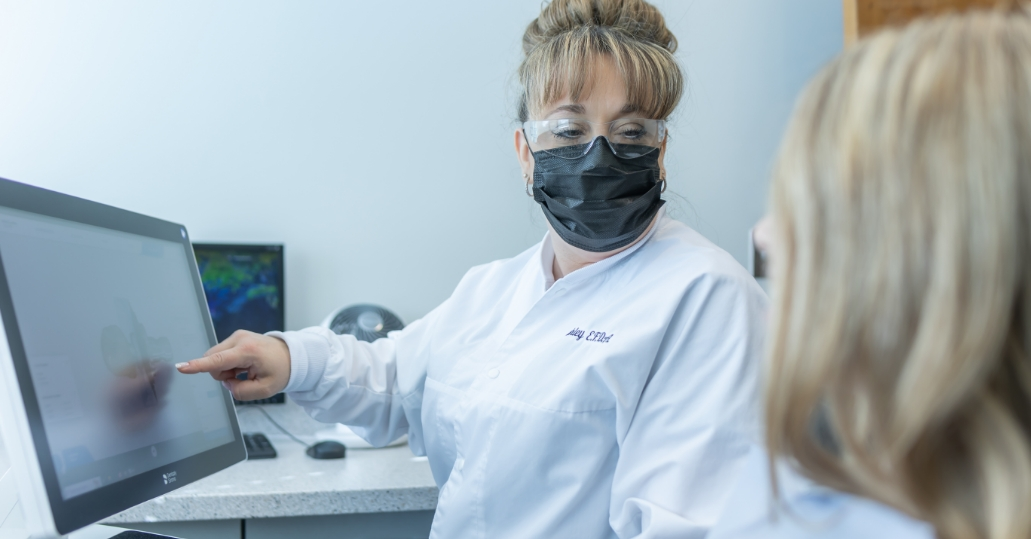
(96, 317)
(104, 317)
(244, 286)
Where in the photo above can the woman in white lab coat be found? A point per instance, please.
(900, 242)
(601, 383)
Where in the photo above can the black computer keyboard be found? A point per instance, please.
(258, 446)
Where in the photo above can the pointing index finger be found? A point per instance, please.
(221, 361)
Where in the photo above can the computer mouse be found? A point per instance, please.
(327, 450)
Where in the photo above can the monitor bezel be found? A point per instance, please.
(93, 506)
(255, 248)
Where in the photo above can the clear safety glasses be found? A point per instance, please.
(571, 138)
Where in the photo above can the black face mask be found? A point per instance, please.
(599, 201)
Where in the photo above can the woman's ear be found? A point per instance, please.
(524, 155)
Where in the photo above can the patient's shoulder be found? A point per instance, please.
(806, 510)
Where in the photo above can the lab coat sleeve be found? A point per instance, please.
(371, 387)
(695, 420)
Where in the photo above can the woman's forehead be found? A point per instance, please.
(600, 67)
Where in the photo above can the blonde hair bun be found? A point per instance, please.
(636, 18)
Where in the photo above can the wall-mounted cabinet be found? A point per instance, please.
(865, 16)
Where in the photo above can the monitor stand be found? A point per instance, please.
(12, 521)
(89, 532)
(13, 528)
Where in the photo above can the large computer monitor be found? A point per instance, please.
(97, 305)
(244, 286)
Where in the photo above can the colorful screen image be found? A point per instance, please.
(244, 286)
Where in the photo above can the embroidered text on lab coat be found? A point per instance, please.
(593, 336)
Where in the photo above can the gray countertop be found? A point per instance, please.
(293, 484)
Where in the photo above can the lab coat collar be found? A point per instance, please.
(547, 257)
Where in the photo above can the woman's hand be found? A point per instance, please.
(250, 365)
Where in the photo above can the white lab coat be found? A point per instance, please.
(806, 510)
(619, 402)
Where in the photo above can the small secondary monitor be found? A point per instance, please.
(244, 286)
(97, 306)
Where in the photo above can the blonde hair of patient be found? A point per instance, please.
(901, 324)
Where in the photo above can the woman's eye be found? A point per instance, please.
(632, 132)
(567, 133)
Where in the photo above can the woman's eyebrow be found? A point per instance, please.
(575, 108)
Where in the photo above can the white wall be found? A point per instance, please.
(373, 138)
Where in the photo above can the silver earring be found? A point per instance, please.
(664, 184)
(529, 190)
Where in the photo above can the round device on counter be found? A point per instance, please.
(366, 322)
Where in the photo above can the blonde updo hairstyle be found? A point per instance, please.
(563, 44)
(901, 329)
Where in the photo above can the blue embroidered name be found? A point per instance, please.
(592, 336)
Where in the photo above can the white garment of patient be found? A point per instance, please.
(806, 510)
